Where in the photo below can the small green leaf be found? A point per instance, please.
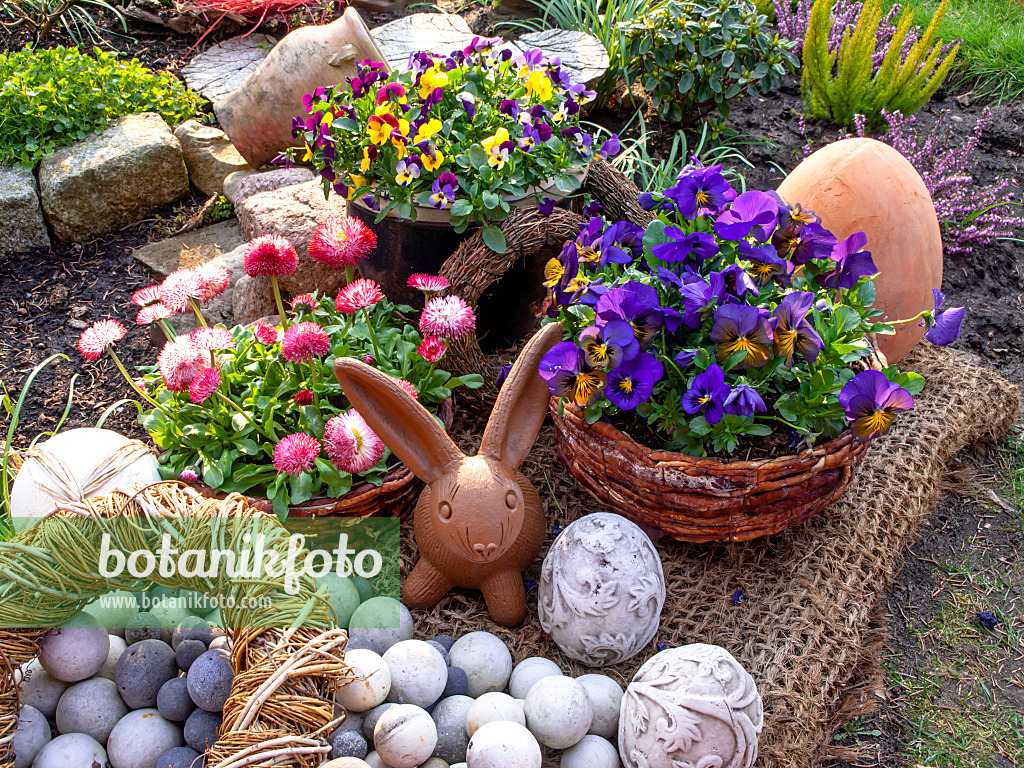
(494, 239)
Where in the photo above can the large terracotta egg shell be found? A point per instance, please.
(863, 185)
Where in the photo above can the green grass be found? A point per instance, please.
(991, 58)
(1012, 460)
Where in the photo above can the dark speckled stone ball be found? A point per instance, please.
(142, 670)
(187, 653)
(173, 700)
(458, 683)
(209, 681)
(180, 757)
(142, 626)
(201, 730)
(348, 744)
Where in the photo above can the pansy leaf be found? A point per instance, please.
(462, 207)
(494, 238)
(477, 156)
(734, 359)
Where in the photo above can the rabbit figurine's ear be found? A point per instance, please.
(405, 426)
(522, 403)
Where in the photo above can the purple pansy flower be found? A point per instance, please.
(792, 331)
(529, 139)
(580, 94)
(621, 243)
(309, 99)
(744, 400)
(546, 206)
(509, 107)
(684, 357)
(699, 295)
(742, 328)
(852, 263)
(637, 304)
(751, 211)
(568, 375)
(609, 147)
(609, 345)
(765, 264)
(441, 194)
(707, 393)
(871, 403)
(801, 243)
(701, 245)
(633, 382)
(701, 192)
(592, 209)
(468, 102)
(738, 281)
(947, 324)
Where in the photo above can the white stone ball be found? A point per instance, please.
(602, 588)
(117, 647)
(75, 651)
(458, 765)
(345, 762)
(485, 659)
(38, 689)
(92, 707)
(72, 749)
(700, 689)
(376, 761)
(558, 711)
(140, 737)
(452, 710)
(30, 736)
(341, 594)
(82, 451)
(591, 752)
(379, 623)
(605, 699)
(529, 671)
(418, 673)
(503, 744)
(404, 736)
(373, 682)
(113, 610)
(493, 707)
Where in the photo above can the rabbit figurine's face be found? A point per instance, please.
(478, 509)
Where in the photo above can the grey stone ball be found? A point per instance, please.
(458, 683)
(71, 749)
(371, 718)
(155, 595)
(92, 707)
(38, 689)
(379, 623)
(441, 649)
(363, 587)
(452, 741)
(348, 744)
(139, 738)
(434, 762)
(187, 652)
(30, 736)
(209, 681)
(445, 641)
(117, 648)
(142, 626)
(142, 670)
(201, 729)
(173, 700)
(192, 628)
(76, 650)
(180, 757)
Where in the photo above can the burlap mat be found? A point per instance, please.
(803, 625)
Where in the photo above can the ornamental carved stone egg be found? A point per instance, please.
(602, 588)
(863, 185)
(690, 706)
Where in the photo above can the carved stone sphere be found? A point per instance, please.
(602, 588)
(693, 705)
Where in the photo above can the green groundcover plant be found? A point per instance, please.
(54, 97)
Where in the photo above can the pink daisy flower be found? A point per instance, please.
(204, 385)
(302, 397)
(212, 338)
(295, 453)
(98, 336)
(448, 317)
(178, 288)
(431, 349)
(146, 296)
(355, 296)
(180, 361)
(270, 256)
(428, 283)
(304, 341)
(341, 241)
(408, 387)
(265, 333)
(151, 313)
(188, 475)
(350, 443)
(304, 300)
(214, 279)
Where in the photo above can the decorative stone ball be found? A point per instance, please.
(201, 729)
(371, 718)
(346, 762)
(353, 720)
(82, 452)
(342, 595)
(445, 641)
(605, 699)
(76, 650)
(171, 612)
(71, 749)
(375, 761)
(209, 681)
(492, 707)
(418, 673)
(378, 624)
(142, 670)
(405, 736)
(142, 626)
(452, 710)
(173, 701)
(503, 744)
(38, 689)
(458, 765)
(363, 586)
(602, 588)
(709, 699)
(434, 762)
(458, 683)
(348, 744)
(92, 707)
(192, 628)
(117, 648)
(558, 711)
(440, 649)
(179, 757)
(372, 683)
(113, 610)
(187, 653)
(591, 752)
(30, 736)
(529, 671)
(220, 644)
(864, 185)
(140, 737)
(452, 741)
(485, 659)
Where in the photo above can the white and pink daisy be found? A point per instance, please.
(432, 348)
(429, 284)
(178, 290)
(341, 241)
(146, 296)
(270, 256)
(408, 387)
(358, 295)
(448, 317)
(303, 397)
(296, 453)
(151, 313)
(98, 336)
(212, 338)
(204, 385)
(350, 443)
(214, 279)
(188, 475)
(180, 361)
(265, 333)
(303, 300)
(304, 341)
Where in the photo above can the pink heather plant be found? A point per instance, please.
(793, 19)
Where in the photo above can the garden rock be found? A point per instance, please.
(209, 156)
(113, 179)
(583, 56)
(191, 248)
(243, 184)
(251, 299)
(294, 212)
(24, 227)
(224, 67)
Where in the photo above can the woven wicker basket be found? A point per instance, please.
(698, 500)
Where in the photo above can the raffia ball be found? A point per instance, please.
(696, 689)
(602, 588)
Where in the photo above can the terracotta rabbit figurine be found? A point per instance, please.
(479, 522)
